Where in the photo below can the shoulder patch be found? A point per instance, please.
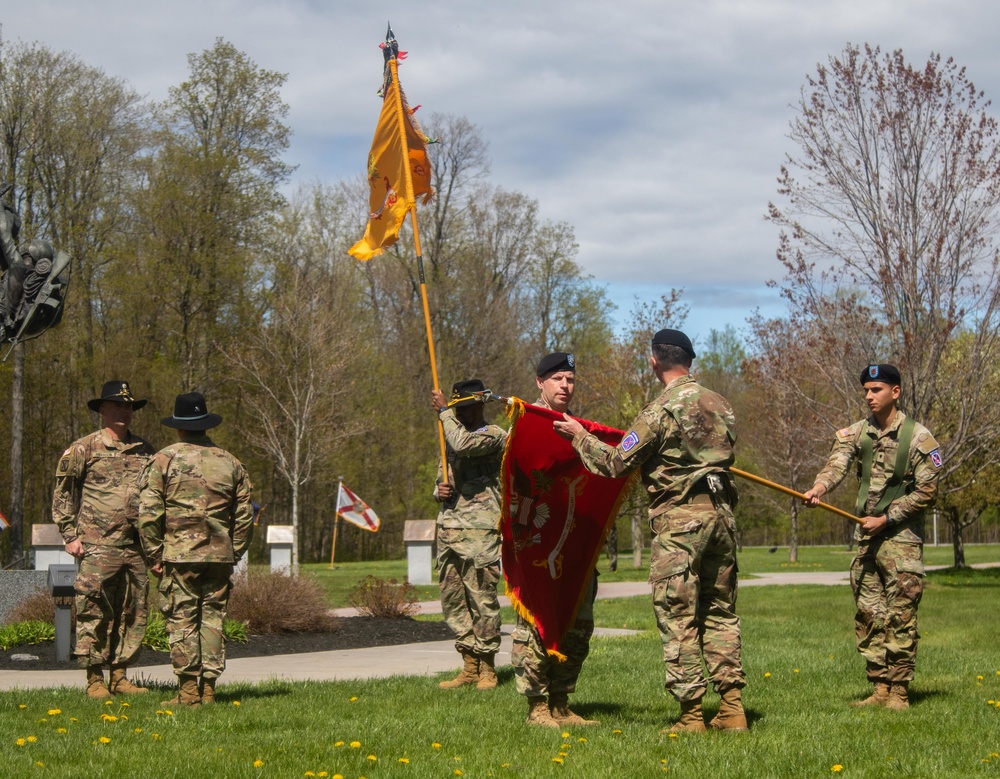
(936, 458)
(629, 441)
(843, 432)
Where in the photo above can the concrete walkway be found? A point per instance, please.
(423, 659)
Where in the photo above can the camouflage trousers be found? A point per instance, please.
(887, 577)
(693, 573)
(194, 598)
(536, 673)
(111, 590)
(468, 574)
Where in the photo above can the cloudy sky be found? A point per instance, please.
(655, 127)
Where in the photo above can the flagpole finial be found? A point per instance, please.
(390, 49)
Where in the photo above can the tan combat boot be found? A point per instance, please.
(561, 712)
(207, 691)
(468, 675)
(188, 694)
(487, 671)
(96, 688)
(898, 698)
(539, 714)
(730, 715)
(879, 697)
(122, 685)
(691, 720)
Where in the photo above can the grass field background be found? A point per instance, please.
(802, 669)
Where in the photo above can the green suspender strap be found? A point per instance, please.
(894, 487)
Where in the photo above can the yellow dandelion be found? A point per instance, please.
(309, 773)
(137, 730)
(403, 760)
(457, 759)
(994, 754)
(795, 670)
(54, 712)
(372, 758)
(159, 712)
(616, 732)
(991, 702)
(565, 734)
(505, 765)
(42, 721)
(564, 754)
(837, 768)
(582, 740)
(21, 742)
(557, 760)
(32, 739)
(565, 746)
(168, 712)
(125, 705)
(73, 719)
(104, 740)
(22, 705)
(109, 718)
(156, 737)
(258, 763)
(767, 675)
(60, 730)
(108, 703)
(355, 744)
(338, 776)
(124, 717)
(236, 703)
(339, 744)
(435, 745)
(458, 772)
(40, 764)
(322, 773)
(671, 735)
(663, 761)
(354, 698)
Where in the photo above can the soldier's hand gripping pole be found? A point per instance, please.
(789, 491)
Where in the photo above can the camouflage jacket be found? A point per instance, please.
(96, 498)
(905, 514)
(474, 458)
(685, 434)
(194, 505)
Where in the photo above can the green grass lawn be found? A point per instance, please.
(753, 560)
(802, 670)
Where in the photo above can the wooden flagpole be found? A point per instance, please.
(336, 519)
(401, 123)
(789, 491)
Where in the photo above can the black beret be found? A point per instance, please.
(557, 361)
(463, 389)
(675, 338)
(889, 374)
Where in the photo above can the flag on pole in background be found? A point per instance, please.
(354, 510)
(4, 523)
(554, 521)
(399, 169)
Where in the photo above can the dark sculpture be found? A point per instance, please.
(34, 280)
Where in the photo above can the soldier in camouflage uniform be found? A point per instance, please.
(195, 523)
(468, 533)
(537, 674)
(898, 464)
(96, 505)
(683, 444)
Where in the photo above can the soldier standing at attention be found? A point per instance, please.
(538, 675)
(195, 523)
(683, 443)
(96, 506)
(898, 464)
(468, 533)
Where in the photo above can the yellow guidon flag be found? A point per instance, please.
(399, 169)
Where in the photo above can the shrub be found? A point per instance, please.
(28, 632)
(375, 597)
(39, 607)
(269, 602)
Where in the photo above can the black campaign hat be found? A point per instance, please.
(888, 374)
(462, 389)
(118, 392)
(670, 337)
(557, 361)
(191, 413)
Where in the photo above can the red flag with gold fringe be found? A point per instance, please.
(555, 518)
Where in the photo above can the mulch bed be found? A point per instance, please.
(350, 633)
